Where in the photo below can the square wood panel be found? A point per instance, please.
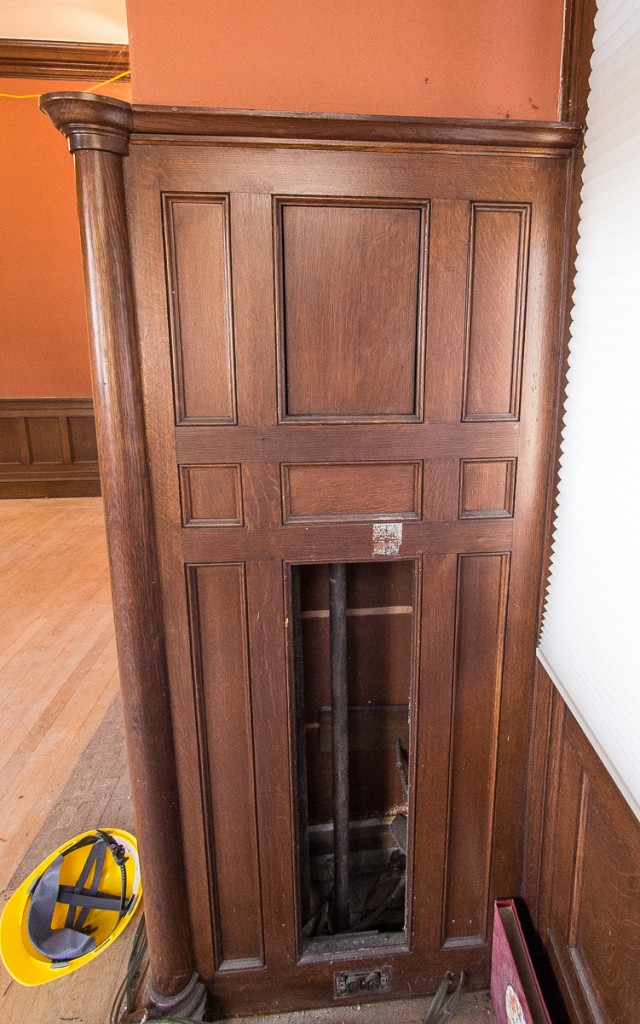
(351, 308)
(487, 488)
(211, 495)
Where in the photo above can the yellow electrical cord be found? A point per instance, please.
(37, 95)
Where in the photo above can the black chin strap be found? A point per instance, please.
(63, 944)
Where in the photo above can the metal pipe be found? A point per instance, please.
(340, 742)
(301, 745)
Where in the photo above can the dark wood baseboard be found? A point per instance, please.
(582, 876)
(48, 448)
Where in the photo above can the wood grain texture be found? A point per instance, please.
(343, 491)
(487, 488)
(48, 448)
(39, 58)
(482, 589)
(199, 293)
(169, 122)
(352, 317)
(217, 599)
(495, 311)
(211, 495)
(588, 909)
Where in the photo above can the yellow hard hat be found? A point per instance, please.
(72, 907)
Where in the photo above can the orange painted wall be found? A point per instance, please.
(439, 58)
(43, 335)
(442, 58)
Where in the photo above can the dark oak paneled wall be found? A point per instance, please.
(48, 448)
(347, 353)
(582, 880)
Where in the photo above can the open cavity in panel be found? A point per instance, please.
(353, 663)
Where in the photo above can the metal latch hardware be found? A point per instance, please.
(353, 983)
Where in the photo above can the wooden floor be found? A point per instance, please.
(58, 684)
(58, 671)
(62, 761)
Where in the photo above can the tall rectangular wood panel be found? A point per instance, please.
(347, 332)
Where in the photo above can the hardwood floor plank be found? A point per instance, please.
(58, 669)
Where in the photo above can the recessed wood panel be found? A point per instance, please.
(217, 597)
(10, 450)
(211, 495)
(351, 314)
(587, 909)
(480, 624)
(82, 438)
(498, 265)
(44, 439)
(374, 490)
(200, 306)
(48, 448)
(487, 488)
(606, 871)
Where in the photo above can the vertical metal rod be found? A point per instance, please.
(301, 745)
(340, 742)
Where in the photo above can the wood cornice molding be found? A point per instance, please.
(101, 122)
(89, 121)
(76, 62)
(256, 124)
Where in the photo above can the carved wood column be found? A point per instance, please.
(98, 130)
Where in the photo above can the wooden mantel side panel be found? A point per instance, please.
(166, 431)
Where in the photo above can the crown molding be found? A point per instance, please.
(168, 122)
(72, 62)
(101, 122)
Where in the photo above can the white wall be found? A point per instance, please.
(591, 635)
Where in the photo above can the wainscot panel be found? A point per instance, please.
(583, 872)
(48, 448)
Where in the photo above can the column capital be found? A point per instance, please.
(89, 121)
